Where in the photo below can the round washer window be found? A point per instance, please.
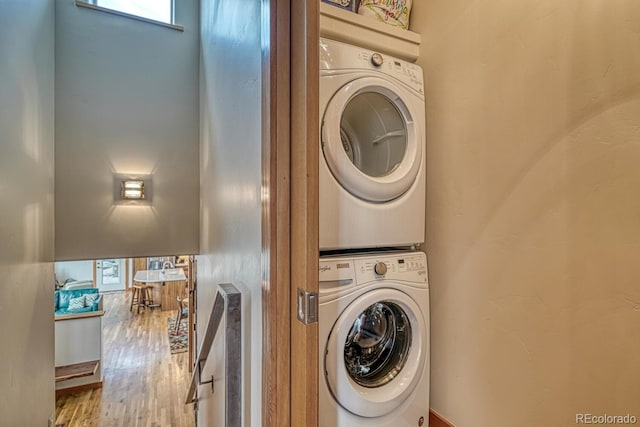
(378, 344)
(373, 134)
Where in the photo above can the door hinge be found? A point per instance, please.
(307, 306)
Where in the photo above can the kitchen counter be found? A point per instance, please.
(167, 285)
(158, 276)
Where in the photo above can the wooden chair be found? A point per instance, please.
(183, 312)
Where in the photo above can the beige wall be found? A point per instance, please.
(533, 208)
(126, 103)
(231, 179)
(26, 212)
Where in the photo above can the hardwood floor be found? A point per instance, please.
(143, 385)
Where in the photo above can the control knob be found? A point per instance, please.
(380, 268)
(377, 59)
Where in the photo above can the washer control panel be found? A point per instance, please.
(377, 59)
(364, 269)
(380, 268)
(408, 267)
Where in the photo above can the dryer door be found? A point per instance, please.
(376, 352)
(370, 140)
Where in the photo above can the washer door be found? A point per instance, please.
(376, 352)
(370, 141)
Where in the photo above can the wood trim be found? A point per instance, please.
(275, 216)
(305, 70)
(138, 264)
(436, 420)
(95, 273)
(127, 284)
(77, 389)
(79, 315)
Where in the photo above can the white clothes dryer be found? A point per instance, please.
(374, 341)
(372, 151)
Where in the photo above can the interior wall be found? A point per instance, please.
(26, 211)
(78, 270)
(230, 164)
(126, 103)
(533, 230)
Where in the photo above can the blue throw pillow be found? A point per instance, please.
(63, 299)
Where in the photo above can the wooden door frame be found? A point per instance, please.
(290, 211)
(95, 273)
(275, 216)
(127, 271)
(305, 131)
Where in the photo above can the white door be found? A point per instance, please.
(376, 352)
(370, 140)
(111, 275)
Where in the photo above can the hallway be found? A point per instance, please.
(144, 384)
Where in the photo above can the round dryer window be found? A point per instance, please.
(370, 141)
(373, 134)
(376, 352)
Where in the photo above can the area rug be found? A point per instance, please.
(178, 341)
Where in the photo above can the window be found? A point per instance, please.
(156, 10)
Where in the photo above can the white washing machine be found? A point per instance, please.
(372, 159)
(374, 341)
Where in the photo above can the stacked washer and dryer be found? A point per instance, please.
(374, 292)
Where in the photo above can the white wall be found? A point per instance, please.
(26, 211)
(79, 270)
(533, 212)
(230, 242)
(126, 103)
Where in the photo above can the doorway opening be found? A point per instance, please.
(127, 350)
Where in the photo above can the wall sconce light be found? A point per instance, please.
(132, 190)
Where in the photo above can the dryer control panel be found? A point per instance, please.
(341, 57)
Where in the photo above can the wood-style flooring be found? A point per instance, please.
(143, 384)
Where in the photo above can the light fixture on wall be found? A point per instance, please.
(132, 189)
